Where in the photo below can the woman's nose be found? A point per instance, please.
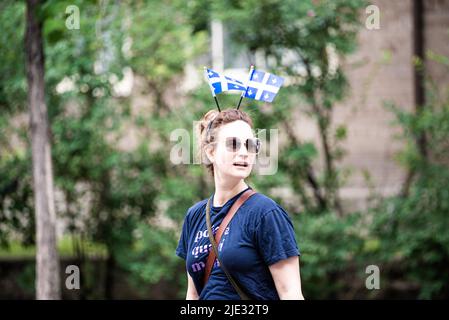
(242, 150)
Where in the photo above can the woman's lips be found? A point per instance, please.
(241, 164)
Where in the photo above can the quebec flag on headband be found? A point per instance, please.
(263, 86)
(219, 83)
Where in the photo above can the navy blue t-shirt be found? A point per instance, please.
(259, 235)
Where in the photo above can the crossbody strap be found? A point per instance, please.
(214, 241)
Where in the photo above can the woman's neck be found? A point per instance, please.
(226, 190)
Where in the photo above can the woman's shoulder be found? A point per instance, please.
(196, 210)
(264, 199)
(262, 204)
(264, 211)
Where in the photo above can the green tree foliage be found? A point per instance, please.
(131, 200)
(308, 41)
(105, 193)
(16, 210)
(412, 229)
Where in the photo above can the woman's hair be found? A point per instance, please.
(208, 132)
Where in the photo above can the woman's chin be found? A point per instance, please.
(240, 172)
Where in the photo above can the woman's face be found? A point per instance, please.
(230, 155)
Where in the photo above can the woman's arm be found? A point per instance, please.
(286, 277)
(191, 290)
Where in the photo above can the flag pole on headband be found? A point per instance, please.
(211, 89)
(247, 83)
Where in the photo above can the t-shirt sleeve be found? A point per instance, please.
(181, 250)
(275, 237)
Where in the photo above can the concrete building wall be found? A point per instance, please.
(436, 35)
(380, 71)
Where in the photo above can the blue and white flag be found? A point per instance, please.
(263, 86)
(219, 83)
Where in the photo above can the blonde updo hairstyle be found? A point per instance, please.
(208, 129)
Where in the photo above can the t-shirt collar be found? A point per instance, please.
(218, 209)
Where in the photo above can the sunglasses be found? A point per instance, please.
(233, 144)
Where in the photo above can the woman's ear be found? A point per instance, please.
(210, 153)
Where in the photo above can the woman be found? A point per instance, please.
(258, 248)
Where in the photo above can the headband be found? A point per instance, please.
(209, 126)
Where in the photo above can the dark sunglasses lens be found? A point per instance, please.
(253, 145)
(232, 144)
